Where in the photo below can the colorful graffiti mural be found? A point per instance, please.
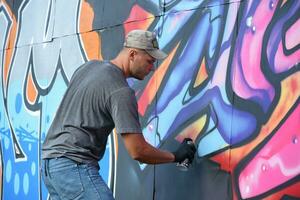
(231, 82)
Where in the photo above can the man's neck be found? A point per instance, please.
(119, 62)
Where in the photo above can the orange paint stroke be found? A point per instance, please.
(192, 130)
(91, 40)
(286, 101)
(292, 190)
(11, 43)
(154, 83)
(202, 74)
(31, 91)
(138, 19)
(92, 45)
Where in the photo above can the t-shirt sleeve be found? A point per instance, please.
(123, 108)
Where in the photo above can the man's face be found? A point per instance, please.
(141, 65)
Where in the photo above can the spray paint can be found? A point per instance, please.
(184, 165)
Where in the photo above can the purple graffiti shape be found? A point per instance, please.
(248, 80)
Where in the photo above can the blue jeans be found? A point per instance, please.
(67, 179)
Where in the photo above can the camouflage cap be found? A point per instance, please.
(145, 40)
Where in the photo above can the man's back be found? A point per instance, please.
(83, 121)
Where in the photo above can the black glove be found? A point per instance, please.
(185, 150)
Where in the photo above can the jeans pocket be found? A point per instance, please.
(67, 181)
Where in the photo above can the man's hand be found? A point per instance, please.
(185, 150)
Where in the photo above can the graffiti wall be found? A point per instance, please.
(231, 82)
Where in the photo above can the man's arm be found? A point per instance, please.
(142, 151)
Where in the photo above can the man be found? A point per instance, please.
(97, 100)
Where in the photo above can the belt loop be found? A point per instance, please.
(48, 168)
(47, 171)
(45, 167)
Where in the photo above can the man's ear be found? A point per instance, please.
(132, 53)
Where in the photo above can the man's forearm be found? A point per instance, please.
(151, 155)
(139, 149)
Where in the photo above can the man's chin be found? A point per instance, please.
(139, 77)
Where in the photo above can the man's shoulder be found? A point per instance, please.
(94, 63)
(105, 65)
(95, 67)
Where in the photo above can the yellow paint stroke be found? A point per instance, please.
(202, 74)
(192, 130)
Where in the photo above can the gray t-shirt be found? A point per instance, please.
(97, 100)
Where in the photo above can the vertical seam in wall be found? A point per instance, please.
(233, 94)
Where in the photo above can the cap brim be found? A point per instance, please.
(157, 54)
